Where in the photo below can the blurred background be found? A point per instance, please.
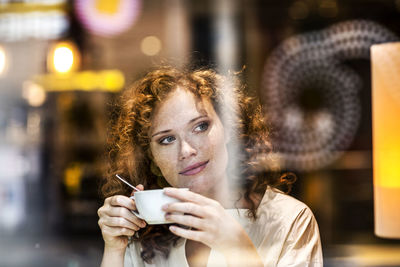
(63, 62)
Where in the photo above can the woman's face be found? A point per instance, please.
(188, 142)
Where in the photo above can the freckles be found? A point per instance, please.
(166, 166)
(167, 153)
(166, 161)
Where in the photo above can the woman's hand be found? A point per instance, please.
(211, 225)
(117, 222)
(208, 220)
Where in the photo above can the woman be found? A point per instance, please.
(197, 130)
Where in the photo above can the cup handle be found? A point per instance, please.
(134, 212)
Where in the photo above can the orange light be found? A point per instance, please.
(385, 67)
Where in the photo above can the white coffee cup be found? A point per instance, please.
(149, 205)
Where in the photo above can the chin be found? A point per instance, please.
(200, 186)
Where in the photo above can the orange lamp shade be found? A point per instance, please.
(385, 68)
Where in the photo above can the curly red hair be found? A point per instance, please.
(128, 144)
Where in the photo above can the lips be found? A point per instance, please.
(194, 169)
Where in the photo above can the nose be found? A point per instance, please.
(186, 150)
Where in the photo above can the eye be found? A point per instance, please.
(202, 127)
(166, 140)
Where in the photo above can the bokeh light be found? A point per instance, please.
(107, 17)
(328, 8)
(298, 10)
(64, 57)
(150, 45)
(3, 61)
(106, 80)
(33, 93)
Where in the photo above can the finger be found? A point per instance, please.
(102, 210)
(187, 196)
(119, 222)
(134, 202)
(185, 207)
(140, 187)
(186, 220)
(187, 233)
(122, 201)
(126, 214)
(117, 231)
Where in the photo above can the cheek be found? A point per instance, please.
(165, 160)
(218, 146)
(168, 167)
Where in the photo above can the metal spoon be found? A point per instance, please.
(126, 182)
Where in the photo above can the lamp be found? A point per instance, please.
(385, 68)
(63, 57)
(3, 61)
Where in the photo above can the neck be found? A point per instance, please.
(230, 195)
(218, 192)
(227, 194)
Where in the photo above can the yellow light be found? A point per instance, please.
(73, 177)
(3, 61)
(385, 66)
(108, 7)
(105, 80)
(63, 57)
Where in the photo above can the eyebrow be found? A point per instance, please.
(192, 120)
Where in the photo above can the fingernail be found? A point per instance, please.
(167, 190)
(165, 207)
(172, 228)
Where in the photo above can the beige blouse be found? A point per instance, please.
(285, 234)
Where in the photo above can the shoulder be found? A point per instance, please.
(291, 225)
(295, 218)
(279, 204)
(286, 213)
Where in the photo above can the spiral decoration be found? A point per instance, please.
(310, 97)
